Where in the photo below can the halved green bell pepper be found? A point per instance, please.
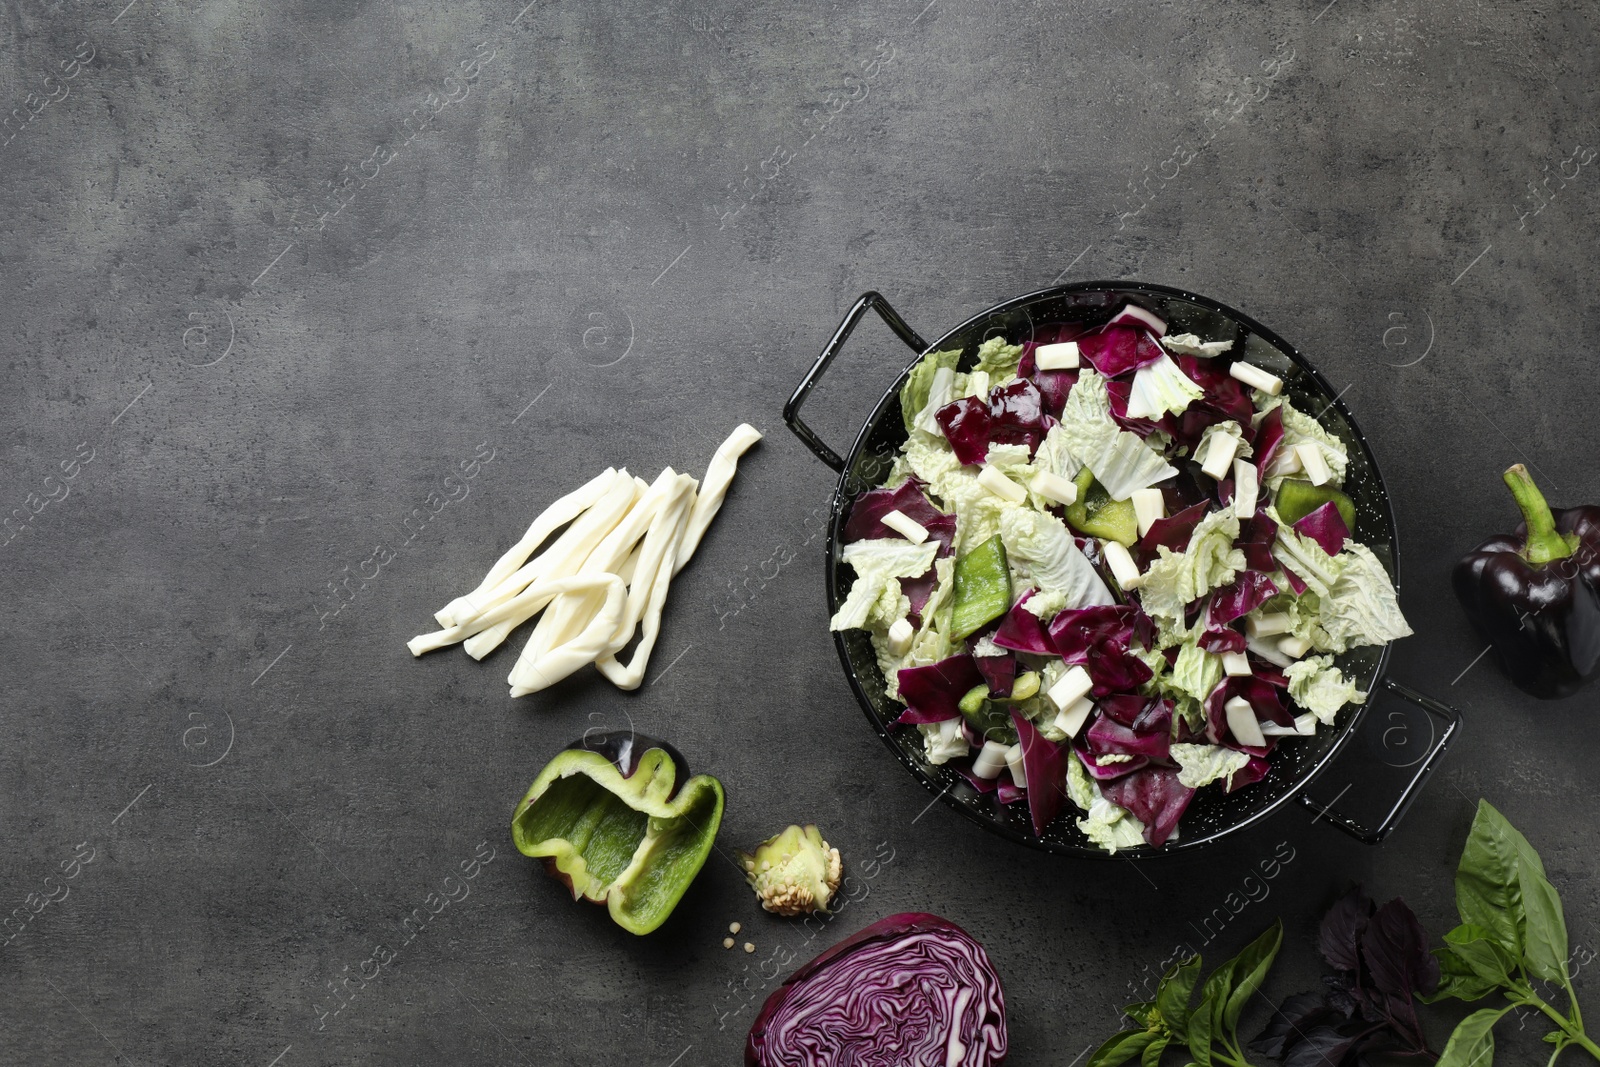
(621, 833)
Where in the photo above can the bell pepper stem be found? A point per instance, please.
(1544, 542)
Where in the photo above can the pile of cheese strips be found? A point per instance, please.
(604, 578)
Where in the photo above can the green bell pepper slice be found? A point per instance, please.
(632, 842)
(1298, 498)
(1096, 514)
(982, 589)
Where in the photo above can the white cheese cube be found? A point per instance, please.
(1148, 506)
(992, 479)
(991, 760)
(1236, 664)
(1266, 625)
(1070, 720)
(1219, 455)
(1242, 722)
(900, 635)
(1256, 378)
(1054, 487)
(1073, 685)
(1294, 647)
(1063, 356)
(1123, 569)
(1019, 773)
(1246, 490)
(906, 526)
(1316, 467)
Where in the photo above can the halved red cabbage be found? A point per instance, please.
(1248, 591)
(1114, 350)
(1155, 797)
(999, 673)
(1045, 765)
(932, 693)
(1326, 527)
(912, 989)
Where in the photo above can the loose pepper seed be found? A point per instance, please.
(748, 947)
(733, 928)
(727, 942)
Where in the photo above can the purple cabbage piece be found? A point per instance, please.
(1173, 531)
(965, 423)
(1116, 350)
(933, 693)
(999, 673)
(1248, 591)
(911, 989)
(1132, 314)
(1269, 438)
(1225, 396)
(1007, 791)
(1125, 708)
(1110, 738)
(868, 510)
(1110, 771)
(1251, 773)
(1020, 631)
(1326, 527)
(1295, 582)
(1155, 797)
(1255, 540)
(1045, 765)
(1075, 631)
(982, 785)
(1266, 701)
(1114, 670)
(1118, 392)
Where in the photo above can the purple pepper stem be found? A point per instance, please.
(1544, 543)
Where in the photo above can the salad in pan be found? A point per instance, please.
(1111, 567)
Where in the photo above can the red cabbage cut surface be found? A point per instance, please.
(1256, 539)
(911, 990)
(1114, 350)
(1110, 771)
(965, 423)
(932, 693)
(1247, 592)
(1326, 527)
(1022, 632)
(999, 673)
(1045, 762)
(1269, 438)
(1156, 798)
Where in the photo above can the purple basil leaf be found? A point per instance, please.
(1395, 948)
(1322, 1046)
(1342, 929)
(1293, 1017)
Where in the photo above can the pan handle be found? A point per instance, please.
(791, 410)
(1425, 767)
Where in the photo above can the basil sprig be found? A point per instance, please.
(1209, 1030)
(1512, 931)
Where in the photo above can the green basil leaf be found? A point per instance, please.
(1488, 888)
(1472, 1044)
(1144, 1013)
(1153, 1051)
(1215, 994)
(1172, 995)
(1121, 1048)
(1484, 956)
(1545, 935)
(1249, 970)
(1200, 1031)
(1458, 979)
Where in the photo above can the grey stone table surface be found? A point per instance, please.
(309, 307)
